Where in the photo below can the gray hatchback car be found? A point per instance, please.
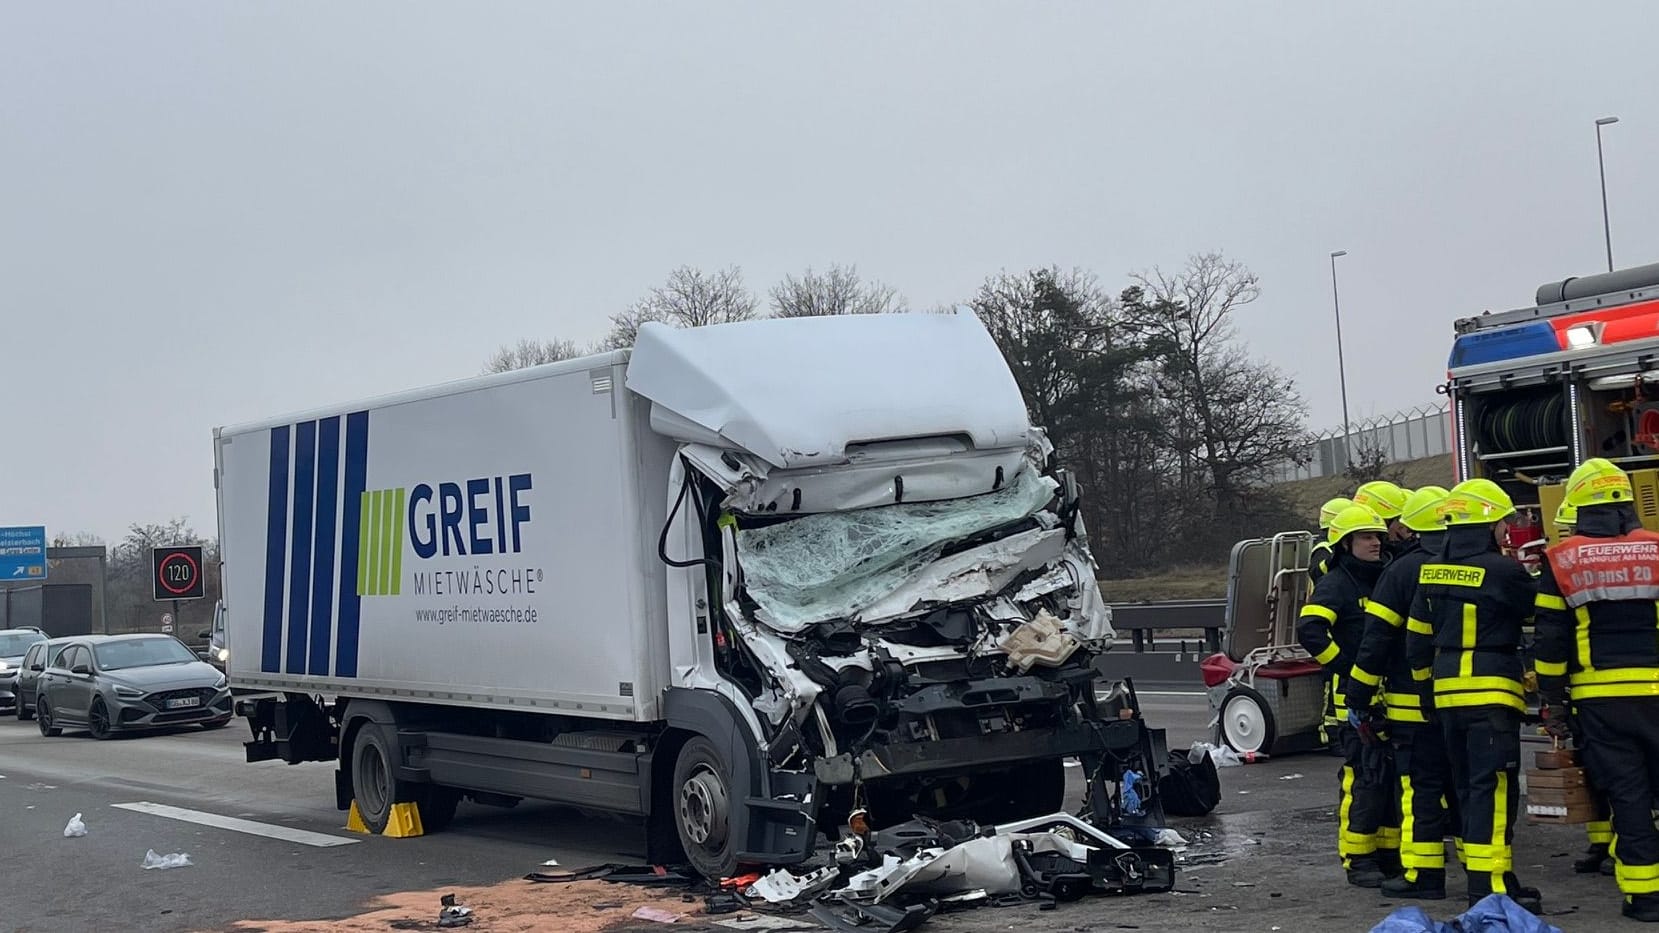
(111, 683)
(14, 644)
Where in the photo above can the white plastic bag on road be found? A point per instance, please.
(75, 828)
(176, 860)
(1223, 756)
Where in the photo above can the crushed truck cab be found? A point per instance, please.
(745, 581)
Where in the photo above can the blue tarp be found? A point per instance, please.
(1496, 913)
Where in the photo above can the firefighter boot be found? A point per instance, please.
(1388, 862)
(1429, 886)
(1364, 872)
(1529, 898)
(1643, 907)
(1590, 862)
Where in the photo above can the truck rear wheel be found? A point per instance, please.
(702, 809)
(374, 783)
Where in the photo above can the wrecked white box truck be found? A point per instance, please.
(740, 581)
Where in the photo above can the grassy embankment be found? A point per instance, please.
(1199, 581)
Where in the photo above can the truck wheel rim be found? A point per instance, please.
(703, 808)
(371, 780)
(1246, 724)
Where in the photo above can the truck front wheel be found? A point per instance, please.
(702, 809)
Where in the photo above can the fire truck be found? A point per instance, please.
(1533, 392)
(1536, 391)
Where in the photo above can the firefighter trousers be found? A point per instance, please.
(1598, 831)
(1428, 801)
(1622, 750)
(1366, 781)
(1483, 744)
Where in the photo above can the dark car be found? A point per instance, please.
(40, 654)
(14, 644)
(110, 683)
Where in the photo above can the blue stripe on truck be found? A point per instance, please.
(299, 572)
(276, 546)
(351, 527)
(322, 573)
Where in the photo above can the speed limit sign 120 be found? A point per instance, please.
(176, 572)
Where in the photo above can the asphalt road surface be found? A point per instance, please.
(1263, 861)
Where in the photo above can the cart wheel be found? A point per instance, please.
(1246, 723)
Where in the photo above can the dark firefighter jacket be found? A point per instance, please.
(1381, 661)
(1598, 606)
(1465, 627)
(1319, 562)
(1333, 620)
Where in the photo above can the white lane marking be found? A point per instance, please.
(235, 825)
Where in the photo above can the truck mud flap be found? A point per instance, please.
(782, 829)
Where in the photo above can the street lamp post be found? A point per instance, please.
(1341, 367)
(1606, 228)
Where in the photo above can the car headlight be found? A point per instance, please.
(223, 654)
(4, 667)
(128, 693)
(221, 683)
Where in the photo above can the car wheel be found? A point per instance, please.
(702, 809)
(44, 716)
(97, 721)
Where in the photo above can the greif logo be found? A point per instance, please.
(380, 542)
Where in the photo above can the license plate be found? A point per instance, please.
(183, 702)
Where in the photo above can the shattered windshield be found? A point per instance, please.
(831, 565)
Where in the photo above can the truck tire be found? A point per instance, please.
(437, 805)
(702, 809)
(374, 783)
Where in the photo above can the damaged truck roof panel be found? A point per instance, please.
(744, 386)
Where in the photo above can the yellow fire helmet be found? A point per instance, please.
(1354, 518)
(1566, 514)
(1477, 502)
(1330, 509)
(1597, 482)
(1382, 497)
(1422, 509)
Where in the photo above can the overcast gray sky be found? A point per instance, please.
(211, 213)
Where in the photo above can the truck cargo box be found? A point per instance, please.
(489, 542)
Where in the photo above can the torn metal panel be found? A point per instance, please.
(982, 571)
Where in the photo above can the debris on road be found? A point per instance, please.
(451, 914)
(1291, 777)
(1223, 756)
(39, 786)
(175, 860)
(1495, 913)
(656, 915)
(75, 829)
(782, 887)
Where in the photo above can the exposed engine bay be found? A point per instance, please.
(920, 657)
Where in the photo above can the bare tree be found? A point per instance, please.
(838, 291)
(1196, 308)
(78, 539)
(690, 298)
(527, 353)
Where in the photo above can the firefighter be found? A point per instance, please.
(1320, 555)
(1387, 499)
(1596, 607)
(1464, 632)
(1419, 749)
(1600, 829)
(1330, 627)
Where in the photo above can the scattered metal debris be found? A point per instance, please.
(451, 914)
